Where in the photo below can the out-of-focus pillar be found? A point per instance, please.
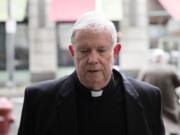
(10, 45)
(43, 59)
(135, 35)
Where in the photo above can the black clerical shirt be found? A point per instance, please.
(100, 115)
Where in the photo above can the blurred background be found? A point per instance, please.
(35, 34)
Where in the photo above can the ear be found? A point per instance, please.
(117, 49)
(71, 50)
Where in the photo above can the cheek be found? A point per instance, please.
(108, 64)
(80, 63)
(108, 60)
(80, 60)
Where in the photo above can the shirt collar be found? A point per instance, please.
(106, 91)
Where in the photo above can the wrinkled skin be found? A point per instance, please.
(93, 54)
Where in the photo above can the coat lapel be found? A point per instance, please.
(135, 116)
(65, 113)
(67, 117)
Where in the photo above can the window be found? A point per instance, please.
(63, 33)
(2, 46)
(22, 46)
(158, 18)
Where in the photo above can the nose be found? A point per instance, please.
(93, 57)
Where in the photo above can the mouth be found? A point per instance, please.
(93, 71)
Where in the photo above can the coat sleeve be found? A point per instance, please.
(27, 123)
(175, 78)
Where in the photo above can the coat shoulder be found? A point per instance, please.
(49, 90)
(149, 95)
(48, 85)
(142, 86)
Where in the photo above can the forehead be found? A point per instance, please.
(93, 36)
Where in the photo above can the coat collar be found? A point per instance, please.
(66, 117)
(135, 116)
(69, 85)
(128, 87)
(136, 120)
(66, 108)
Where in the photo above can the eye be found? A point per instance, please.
(84, 50)
(102, 50)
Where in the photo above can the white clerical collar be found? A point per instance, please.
(96, 93)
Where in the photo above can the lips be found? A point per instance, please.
(93, 71)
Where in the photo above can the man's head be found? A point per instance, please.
(159, 56)
(93, 47)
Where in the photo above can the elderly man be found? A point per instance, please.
(95, 99)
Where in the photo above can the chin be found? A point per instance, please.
(97, 85)
(96, 88)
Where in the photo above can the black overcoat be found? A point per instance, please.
(50, 108)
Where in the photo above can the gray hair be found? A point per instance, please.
(95, 21)
(159, 56)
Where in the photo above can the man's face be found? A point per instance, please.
(93, 57)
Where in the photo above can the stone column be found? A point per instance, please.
(135, 38)
(43, 54)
